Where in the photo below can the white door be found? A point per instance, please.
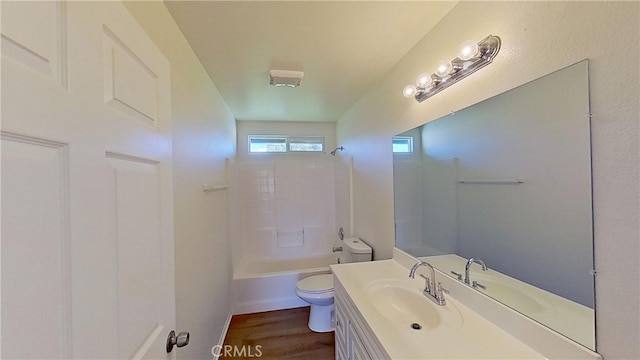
(87, 230)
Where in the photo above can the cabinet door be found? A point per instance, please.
(341, 322)
(358, 349)
(341, 350)
(341, 331)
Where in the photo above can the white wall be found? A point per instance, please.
(203, 136)
(538, 38)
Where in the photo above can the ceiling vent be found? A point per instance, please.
(285, 78)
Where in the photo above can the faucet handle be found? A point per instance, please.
(458, 275)
(427, 284)
(476, 285)
(441, 289)
(439, 294)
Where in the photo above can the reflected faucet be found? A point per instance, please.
(434, 293)
(469, 262)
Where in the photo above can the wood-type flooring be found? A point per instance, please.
(280, 334)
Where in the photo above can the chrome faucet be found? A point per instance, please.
(469, 262)
(432, 292)
(429, 284)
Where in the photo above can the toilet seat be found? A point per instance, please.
(317, 284)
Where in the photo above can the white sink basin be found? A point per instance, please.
(405, 306)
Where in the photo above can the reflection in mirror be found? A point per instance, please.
(508, 180)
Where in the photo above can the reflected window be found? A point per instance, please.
(403, 144)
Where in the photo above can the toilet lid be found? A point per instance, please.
(316, 284)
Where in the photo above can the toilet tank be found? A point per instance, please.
(355, 250)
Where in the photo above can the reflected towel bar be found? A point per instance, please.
(492, 182)
(292, 232)
(209, 188)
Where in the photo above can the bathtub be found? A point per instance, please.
(265, 284)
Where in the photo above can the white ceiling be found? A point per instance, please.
(343, 47)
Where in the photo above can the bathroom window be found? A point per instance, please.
(267, 144)
(403, 144)
(283, 144)
(307, 144)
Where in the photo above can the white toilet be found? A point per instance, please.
(317, 290)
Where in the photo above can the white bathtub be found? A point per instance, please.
(265, 284)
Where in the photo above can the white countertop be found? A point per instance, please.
(473, 338)
(567, 317)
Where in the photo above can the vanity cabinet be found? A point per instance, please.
(341, 330)
(354, 340)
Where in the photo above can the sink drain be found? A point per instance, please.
(416, 326)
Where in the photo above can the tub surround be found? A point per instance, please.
(487, 328)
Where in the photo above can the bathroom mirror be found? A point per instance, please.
(508, 180)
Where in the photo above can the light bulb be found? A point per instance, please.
(409, 91)
(444, 69)
(423, 80)
(468, 50)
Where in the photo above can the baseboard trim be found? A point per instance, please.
(251, 307)
(223, 335)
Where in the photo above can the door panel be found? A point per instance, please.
(35, 249)
(40, 45)
(87, 222)
(130, 85)
(136, 197)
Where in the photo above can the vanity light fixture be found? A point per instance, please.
(471, 58)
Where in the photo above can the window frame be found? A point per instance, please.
(265, 139)
(287, 140)
(409, 142)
